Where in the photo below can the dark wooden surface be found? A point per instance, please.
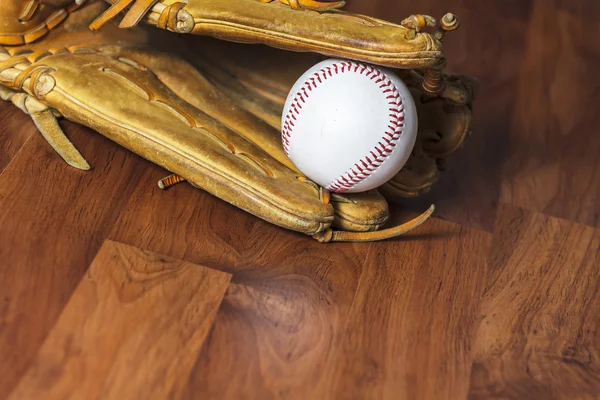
(132, 306)
(498, 297)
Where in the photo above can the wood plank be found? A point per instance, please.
(53, 219)
(539, 324)
(411, 323)
(274, 339)
(15, 129)
(554, 166)
(132, 308)
(283, 317)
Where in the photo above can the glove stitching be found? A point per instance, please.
(46, 25)
(365, 167)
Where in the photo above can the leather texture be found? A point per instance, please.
(316, 29)
(23, 22)
(212, 115)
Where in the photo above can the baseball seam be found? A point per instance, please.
(366, 166)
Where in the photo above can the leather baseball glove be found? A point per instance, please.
(209, 110)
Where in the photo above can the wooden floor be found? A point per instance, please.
(111, 288)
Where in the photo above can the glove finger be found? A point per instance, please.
(332, 33)
(192, 85)
(124, 101)
(329, 32)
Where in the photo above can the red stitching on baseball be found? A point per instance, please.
(366, 166)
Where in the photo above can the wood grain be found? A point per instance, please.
(131, 306)
(554, 166)
(14, 131)
(439, 314)
(410, 326)
(539, 324)
(284, 313)
(53, 218)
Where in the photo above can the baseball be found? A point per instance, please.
(349, 126)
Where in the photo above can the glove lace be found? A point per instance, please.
(310, 4)
(330, 235)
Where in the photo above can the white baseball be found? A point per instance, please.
(349, 126)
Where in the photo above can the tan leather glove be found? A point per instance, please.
(204, 116)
